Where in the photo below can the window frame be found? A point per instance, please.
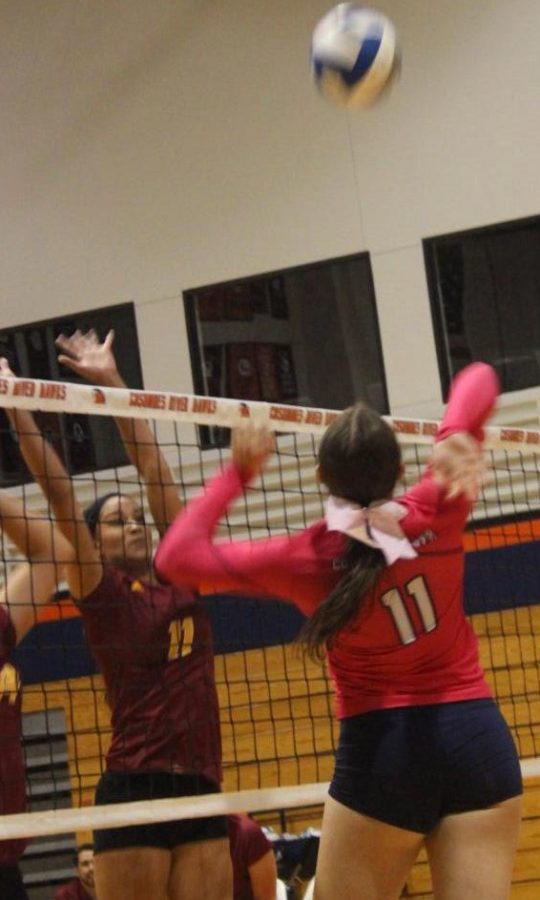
(196, 343)
(440, 331)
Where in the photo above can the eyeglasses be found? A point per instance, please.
(120, 523)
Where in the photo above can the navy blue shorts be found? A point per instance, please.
(123, 787)
(411, 767)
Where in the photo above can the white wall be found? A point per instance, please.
(153, 146)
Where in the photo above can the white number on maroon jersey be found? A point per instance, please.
(181, 632)
(396, 602)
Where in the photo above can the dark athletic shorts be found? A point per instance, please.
(11, 883)
(123, 787)
(413, 766)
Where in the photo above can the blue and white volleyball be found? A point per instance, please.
(354, 55)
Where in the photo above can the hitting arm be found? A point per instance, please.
(457, 467)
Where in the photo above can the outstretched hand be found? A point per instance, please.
(87, 357)
(251, 445)
(459, 465)
(5, 368)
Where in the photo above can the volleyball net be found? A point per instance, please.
(276, 706)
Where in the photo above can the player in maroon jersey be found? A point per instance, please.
(27, 586)
(424, 755)
(153, 644)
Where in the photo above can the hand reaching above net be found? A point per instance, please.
(251, 445)
(459, 465)
(85, 355)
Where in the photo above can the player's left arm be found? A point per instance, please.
(272, 567)
(189, 554)
(456, 467)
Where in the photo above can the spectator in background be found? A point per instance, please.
(82, 887)
(254, 863)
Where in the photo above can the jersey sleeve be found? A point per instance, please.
(248, 841)
(284, 567)
(471, 401)
(472, 398)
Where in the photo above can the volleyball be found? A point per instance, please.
(353, 55)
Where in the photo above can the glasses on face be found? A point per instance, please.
(119, 522)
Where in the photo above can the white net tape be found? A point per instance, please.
(62, 397)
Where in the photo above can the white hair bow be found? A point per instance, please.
(377, 526)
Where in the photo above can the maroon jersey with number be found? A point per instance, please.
(153, 644)
(12, 772)
(410, 643)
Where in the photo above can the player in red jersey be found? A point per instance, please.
(153, 644)
(27, 586)
(424, 755)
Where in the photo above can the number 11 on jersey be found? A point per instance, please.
(395, 601)
(181, 632)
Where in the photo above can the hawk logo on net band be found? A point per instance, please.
(99, 397)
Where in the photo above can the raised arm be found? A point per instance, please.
(457, 460)
(471, 401)
(84, 570)
(95, 361)
(30, 584)
(456, 469)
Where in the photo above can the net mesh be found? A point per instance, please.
(276, 706)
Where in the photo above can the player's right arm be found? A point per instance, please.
(84, 568)
(456, 467)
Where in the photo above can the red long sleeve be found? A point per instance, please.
(294, 567)
(472, 397)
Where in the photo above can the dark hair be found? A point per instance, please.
(92, 512)
(359, 460)
(80, 849)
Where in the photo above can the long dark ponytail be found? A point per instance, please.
(359, 460)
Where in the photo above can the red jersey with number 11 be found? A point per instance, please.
(410, 643)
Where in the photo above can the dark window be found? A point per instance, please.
(85, 443)
(307, 336)
(484, 287)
